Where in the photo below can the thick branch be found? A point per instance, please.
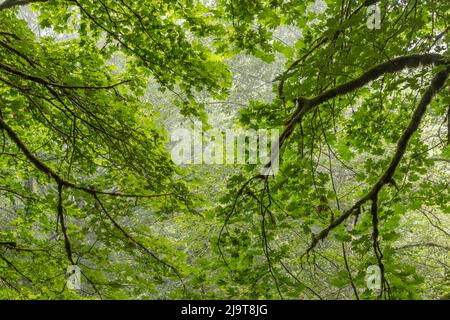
(67, 244)
(14, 3)
(41, 166)
(57, 85)
(305, 105)
(437, 83)
(8, 244)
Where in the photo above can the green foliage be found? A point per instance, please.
(89, 91)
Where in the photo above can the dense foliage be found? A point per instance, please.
(91, 89)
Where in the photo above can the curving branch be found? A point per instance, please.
(9, 244)
(39, 80)
(12, 266)
(136, 242)
(43, 167)
(317, 44)
(305, 105)
(437, 84)
(14, 3)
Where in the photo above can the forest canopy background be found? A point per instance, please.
(91, 89)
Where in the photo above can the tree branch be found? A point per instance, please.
(437, 83)
(41, 166)
(14, 3)
(57, 85)
(319, 42)
(9, 244)
(349, 272)
(10, 264)
(426, 244)
(136, 242)
(67, 244)
(305, 105)
(376, 245)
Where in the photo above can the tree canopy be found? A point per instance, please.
(90, 91)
